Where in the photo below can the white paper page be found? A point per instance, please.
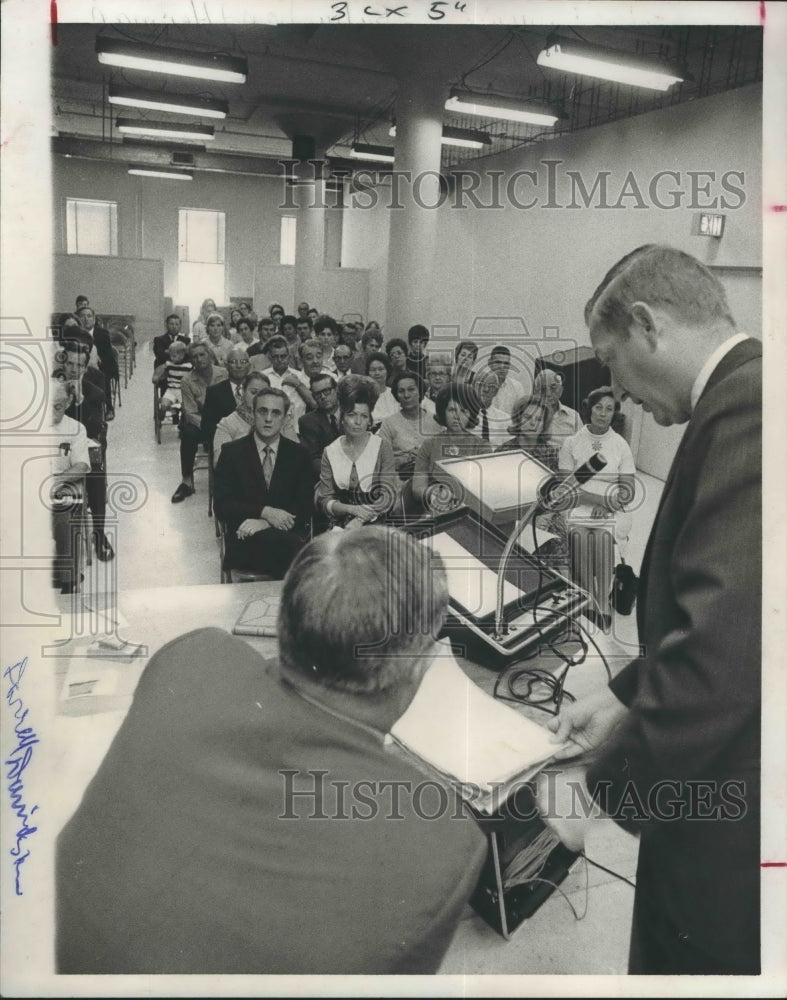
(470, 583)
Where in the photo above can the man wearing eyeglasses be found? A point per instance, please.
(563, 421)
(223, 398)
(320, 427)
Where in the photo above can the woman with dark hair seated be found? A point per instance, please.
(378, 368)
(238, 423)
(358, 482)
(406, 429)
(396, 349)
(456, 411)
(599, 520)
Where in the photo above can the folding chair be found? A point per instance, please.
(230, 574)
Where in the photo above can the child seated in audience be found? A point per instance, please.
(169, 376)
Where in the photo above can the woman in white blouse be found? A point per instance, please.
(599, 519)
(358, 482)
(378, 368)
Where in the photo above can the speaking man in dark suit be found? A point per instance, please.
(318, 428)
(263, 491)
(162, 343)
(675, 738)
(223, 398)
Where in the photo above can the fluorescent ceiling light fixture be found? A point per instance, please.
(170, 175)
(164, 130)
(173, 62)
(362, 151)
(179, 104)
(608, 64)
(467, 137)
(490, 106)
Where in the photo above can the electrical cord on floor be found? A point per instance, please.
(609, 871)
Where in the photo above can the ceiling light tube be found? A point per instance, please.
(466, 137)
(363, 151)
(490, 106)
(164, 130)
(170, 175)
(173, 62)
(608, 64)
(179, 104)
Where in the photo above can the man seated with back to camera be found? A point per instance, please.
(263, 491)
(221, 859)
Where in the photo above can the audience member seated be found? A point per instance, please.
(222, 398)
(303, 310)
(350, 335)
(248, 313)
(406, 429)
(246, 337)
(232, 332)
(438, 376)
(263, 491)
(327, 332)
(163, 342)
(102, 355)
(192, 869)
(289, 330)
(310, 356)
(509, 390)
(313, 314)
(69, 328)
(563, 422)
(239, 423)
(600, 518)
(88, 407)
(266, 329)
(81, 300)
(193, 390)
(493, 422)
(456, 410)
(276, 313)
(371, 342)
(358, 482)
(378, 368)
(342, 358)
(199, 328)
(528, 425)
(417, 340)
(465, 355)
(283, 377)
(320, 427)
(396, 349)
(168, 376)
(69, 466)
(217, 343)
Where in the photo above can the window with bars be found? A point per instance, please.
(92, 227)
(287, 243)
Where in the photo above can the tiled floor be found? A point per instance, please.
(163, 544)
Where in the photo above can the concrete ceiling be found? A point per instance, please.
(339, 84)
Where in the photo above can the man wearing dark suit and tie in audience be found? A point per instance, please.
(162, 343)
(102, 355)
(674, 741)
(320, 427)
(223, 398)
(264, 491)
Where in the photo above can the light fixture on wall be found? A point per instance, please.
(179, 104)
(490, 106)
(173, 62)
(365, 151)
(470, 138)
(608, 64)
(161, 172)
(164, 130)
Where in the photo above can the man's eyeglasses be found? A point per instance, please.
(321, 393)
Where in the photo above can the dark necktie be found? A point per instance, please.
(267, 466)
(484, 425)
(334, 425)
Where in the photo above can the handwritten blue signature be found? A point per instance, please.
(16, 763)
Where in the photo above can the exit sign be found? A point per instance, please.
(711, 225)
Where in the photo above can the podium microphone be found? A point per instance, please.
(555, 493)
